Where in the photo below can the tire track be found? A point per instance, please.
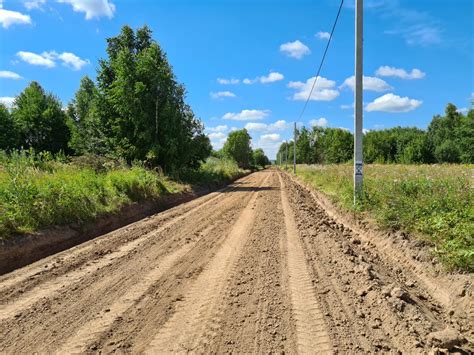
(185, 330)
(51, 287)
(311, 331)
(141, 229)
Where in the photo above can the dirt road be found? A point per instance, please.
(255, 268)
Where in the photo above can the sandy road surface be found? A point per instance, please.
(255, 268)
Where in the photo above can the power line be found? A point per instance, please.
(322, 60)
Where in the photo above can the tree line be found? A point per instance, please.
(135, 110)
(448, 139)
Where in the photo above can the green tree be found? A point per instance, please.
(260, 159)
(8, 131)
(142, 107)
(41, 122)
(303, 147)
(238, 147)
(443, 135)
(87, 135)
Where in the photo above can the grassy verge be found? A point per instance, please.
(433, 202)
(37, 191)
(213, 172)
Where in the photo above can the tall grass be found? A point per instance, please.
(433, 202)
(38, 191)
(213, 171)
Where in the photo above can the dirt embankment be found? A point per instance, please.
(257, 267)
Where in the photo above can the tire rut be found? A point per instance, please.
(186, 330)
(311, 329)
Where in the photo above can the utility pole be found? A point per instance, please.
(286, 160)
(294, 150)
(358, 102)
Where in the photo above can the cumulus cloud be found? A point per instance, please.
(271, 137)
(323, 91)
(220, 128)
(9, 18)
(296, 49)
(72, 61)
(463, 110)
(369, 82)
(92, 8)
(319, 122)
(393, 103)
(265, 79)
(231, 81)
(271, 78)
(48, 59)
(259, 127)
(6, 74)
(44, 59)
(7, 101)
(216, 135)
(322, 35)
(246, 115)
(221, 94)
(400, 73)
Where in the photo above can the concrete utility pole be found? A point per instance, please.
(286, 160)
(358, 102)
(294, 150)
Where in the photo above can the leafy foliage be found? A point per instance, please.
(448, 139)
(40, 121)
(260, 159)
(237, 147)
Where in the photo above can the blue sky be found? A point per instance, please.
(250, 63)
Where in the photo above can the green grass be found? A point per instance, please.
(432, 202)
(38, 190)
(213, 172)
(36, 193)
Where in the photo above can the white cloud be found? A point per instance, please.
(72, 61)
(322, 35)
(319, 122)
(323, 91)
(6, 74)
(369, 82)
(393, 103)
(221, 94)
(48, 59)
(272, 77)
(7, 101)
(254, 126)
(246, 115)
(220, 128)
(216, 135)
(8, 18)
(462, 110)
(365, 130)
(257, 126)
(44, 59)
(400, 73)
(419, 34)
(271, 137)
(231, 81)
(34, 4)
(92, 8)
(296, 49)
